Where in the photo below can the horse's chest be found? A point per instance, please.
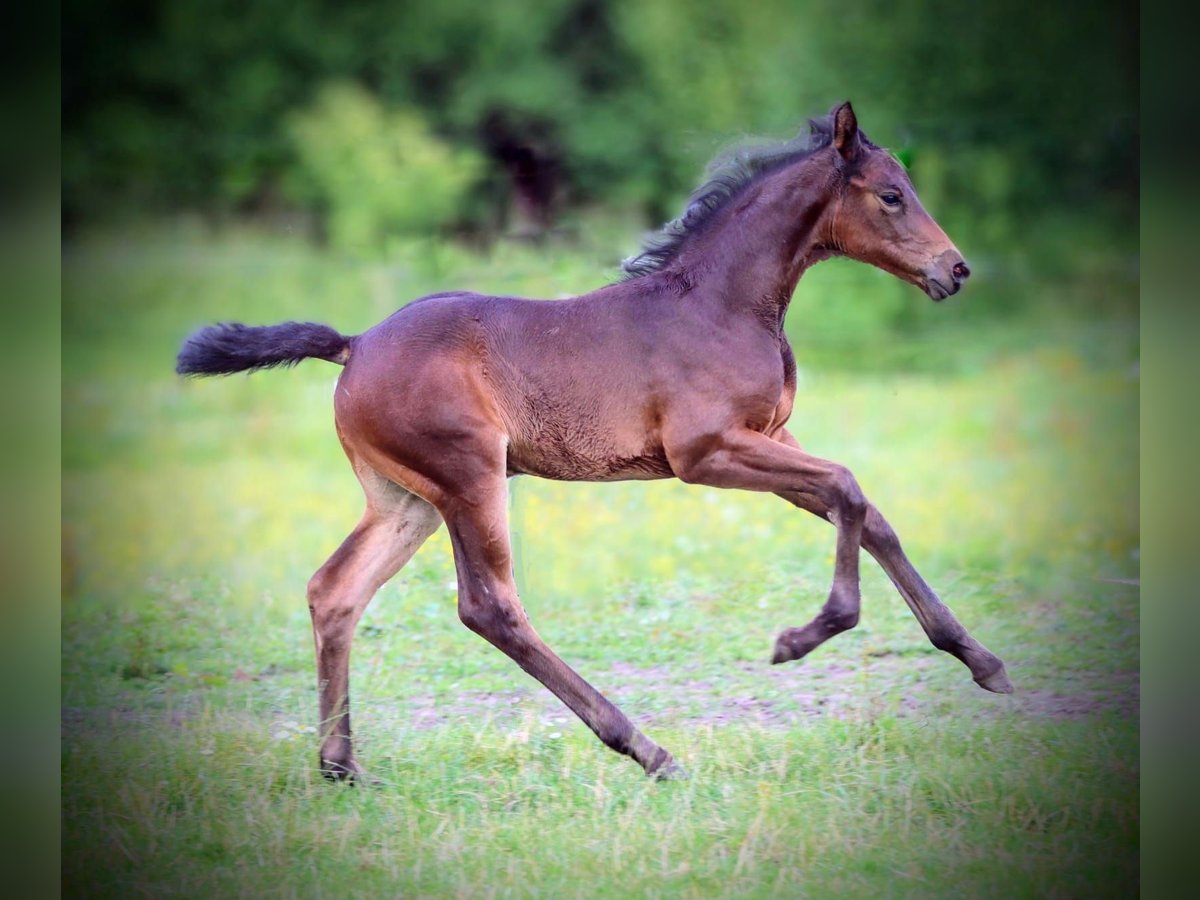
(757, 391)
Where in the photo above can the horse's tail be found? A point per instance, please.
(229, 347)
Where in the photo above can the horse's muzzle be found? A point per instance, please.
(946, 275)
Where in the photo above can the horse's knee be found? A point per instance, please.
(849, 500)
(332, 613)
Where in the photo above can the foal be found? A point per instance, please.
(680, 370)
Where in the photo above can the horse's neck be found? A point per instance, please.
(753, 260)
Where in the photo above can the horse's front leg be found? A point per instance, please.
(751, 461)
(944, 631)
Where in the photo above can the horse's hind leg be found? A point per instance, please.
(488, 604)
(944, 631)
(395, 524)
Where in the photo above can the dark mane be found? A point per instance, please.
(726, 176)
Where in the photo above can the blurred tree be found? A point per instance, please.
(1028, 104)
(1013, 108)
(376, 172)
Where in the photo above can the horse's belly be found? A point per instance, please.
(565, 463)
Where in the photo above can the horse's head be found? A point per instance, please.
(878, 219)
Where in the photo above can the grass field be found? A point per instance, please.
(1004, 452)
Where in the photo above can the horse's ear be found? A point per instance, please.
(845, 131)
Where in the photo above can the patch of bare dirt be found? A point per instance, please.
(782, 696)
(902, 685)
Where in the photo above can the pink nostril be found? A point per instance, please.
(961, 272)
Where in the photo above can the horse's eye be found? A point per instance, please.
(891, 198)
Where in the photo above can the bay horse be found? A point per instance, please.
(681, 369)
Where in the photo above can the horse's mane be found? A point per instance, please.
(727, 175)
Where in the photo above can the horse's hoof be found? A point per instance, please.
(672, 771)
(789, 645)
(997, 682)
(349, 772)
(668, 770)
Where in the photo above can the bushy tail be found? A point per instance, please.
(229, 347)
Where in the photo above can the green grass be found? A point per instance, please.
(1004, 452)
(863, 807)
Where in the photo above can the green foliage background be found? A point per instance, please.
(1011, 114)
